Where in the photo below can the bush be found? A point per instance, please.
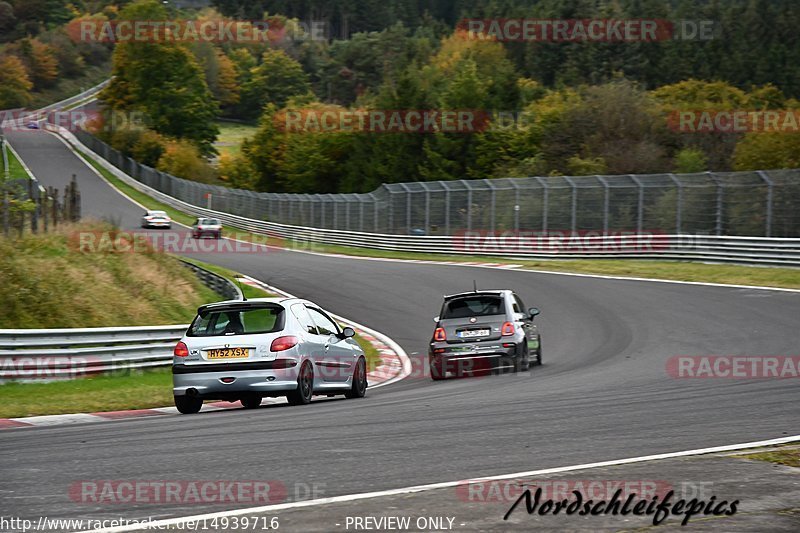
(183, 159)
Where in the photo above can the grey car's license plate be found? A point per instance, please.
(472, 333)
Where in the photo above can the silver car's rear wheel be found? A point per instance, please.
(359, 388)
(305, 386)
(251, 401)
(188, 405)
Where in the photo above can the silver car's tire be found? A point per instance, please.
(359, 387)
(188, 405)
(305, 386)
(251, 401)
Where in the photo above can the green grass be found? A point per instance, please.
(788, 456)
(134, 390)
(49, 281)
(667, 270)
(15, 167)
(231, 135)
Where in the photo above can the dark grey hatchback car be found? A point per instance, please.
(480, 331)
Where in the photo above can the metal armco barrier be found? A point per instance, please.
(44, 354)
(568, 245)
(215, 282)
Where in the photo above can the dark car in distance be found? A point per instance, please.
(484, 330)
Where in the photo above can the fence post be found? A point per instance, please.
(574, 204)
(678, 202)
(718, 221)
(492, 203)
(606, 202)
(427, 208)
(640, 203)
(516, 207)
(446, 208)
(6, 177)
(545, 201)
(770, 186)
(466, 184)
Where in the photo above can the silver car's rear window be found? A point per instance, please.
(237, 321)
(478, 305)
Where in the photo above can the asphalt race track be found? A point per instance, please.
(603, 393)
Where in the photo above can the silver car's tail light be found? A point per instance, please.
(181, 350)
(284, 343)
(508, 329)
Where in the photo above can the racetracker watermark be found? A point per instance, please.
(382, 120)
(186, 492)
(560, 241)
(175, 242)
(733, 366)
(50, 367)
(734, 121)
(586, 30)
(272, 30)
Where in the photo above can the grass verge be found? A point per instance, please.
(232, 135)
(114, 392)
(17, 172)
(789, 456)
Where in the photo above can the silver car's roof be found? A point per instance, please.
(479, 292)
(253, 302)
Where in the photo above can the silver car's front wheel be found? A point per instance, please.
(305, 386)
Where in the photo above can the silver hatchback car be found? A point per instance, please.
(266, 347)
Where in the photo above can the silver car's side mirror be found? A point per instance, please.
(436, 319)
(533, 311)
(348, 332)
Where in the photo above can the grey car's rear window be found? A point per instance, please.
(237, 322)
(478, 305)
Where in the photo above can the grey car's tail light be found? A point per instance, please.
(439, 335)
(508, 329)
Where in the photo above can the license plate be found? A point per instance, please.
(474, 333)
(227, 353)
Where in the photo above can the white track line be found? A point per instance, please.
(165, 523)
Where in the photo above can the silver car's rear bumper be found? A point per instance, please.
(213, 384)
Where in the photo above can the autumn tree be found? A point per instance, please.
(14, 83)
(164, 81)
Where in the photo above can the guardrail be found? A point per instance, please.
(48, 354)
(215, 282)
(686, 247)
(44, 354)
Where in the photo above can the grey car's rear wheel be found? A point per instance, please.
(188, 405)
(539, 353)
(523, 363)
(251, 401)
(359, 388)
(305, 386)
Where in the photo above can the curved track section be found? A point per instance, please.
(603, 393)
